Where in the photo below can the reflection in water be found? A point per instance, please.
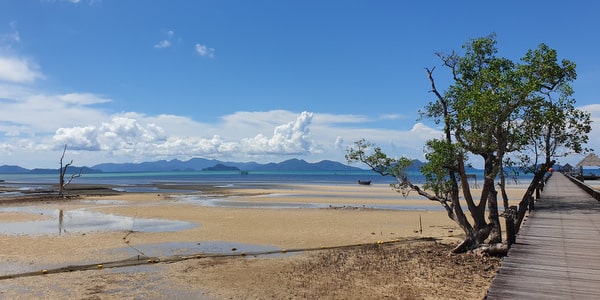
(61, 216)
(81, 220)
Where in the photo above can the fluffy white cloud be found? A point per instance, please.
(18, 70)
(78, 137)
(124, 134)
(339, 142)
(120, 134)
(205, 51)
(290, 138)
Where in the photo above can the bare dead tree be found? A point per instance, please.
(63, 171)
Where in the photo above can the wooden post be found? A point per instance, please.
(511, 234)
(532, 203)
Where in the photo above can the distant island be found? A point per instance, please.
(221, 167)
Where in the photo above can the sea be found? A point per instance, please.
(142, 181)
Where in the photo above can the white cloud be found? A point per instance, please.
(290, 138)
(594, 109)
(27, 113)
(18, 70)
(422, 129)
(244, 124)
(339, 141)
(124, 135)
(340, 119)
(162, 44)
(205, 51)
(392, 117)
(84, 138)
(120, 134)
(82, 99)
(166, 42)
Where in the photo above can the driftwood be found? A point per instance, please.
(63, 170)
(498, 249)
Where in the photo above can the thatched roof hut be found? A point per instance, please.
(591, 160)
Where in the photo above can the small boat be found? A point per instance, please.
(364, 182)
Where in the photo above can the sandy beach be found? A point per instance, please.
(237, 222)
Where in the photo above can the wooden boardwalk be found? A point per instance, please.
(557, 253)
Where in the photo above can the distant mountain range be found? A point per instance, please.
(201, 164)
(194, 164)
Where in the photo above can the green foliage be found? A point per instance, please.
(376, 160)
(552, 125)
(442, 158)
(486, 98)
(499, 110)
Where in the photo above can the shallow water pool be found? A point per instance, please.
(82, 221)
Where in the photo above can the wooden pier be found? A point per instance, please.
(557, 253)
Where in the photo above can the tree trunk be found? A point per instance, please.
(62, 171)
(496, 232)
(474, 240)
(511, 232)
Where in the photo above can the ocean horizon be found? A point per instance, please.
(228, 177)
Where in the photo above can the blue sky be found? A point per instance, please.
(265, 81)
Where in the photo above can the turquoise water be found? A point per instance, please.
(143, 181)
(137, 178)
(221, 177)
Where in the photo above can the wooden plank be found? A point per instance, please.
(557, 254)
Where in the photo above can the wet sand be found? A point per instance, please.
(345, 219)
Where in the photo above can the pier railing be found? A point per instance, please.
(593, 192)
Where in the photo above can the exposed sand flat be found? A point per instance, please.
(345, 220)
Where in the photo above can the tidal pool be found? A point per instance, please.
(82, 221)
